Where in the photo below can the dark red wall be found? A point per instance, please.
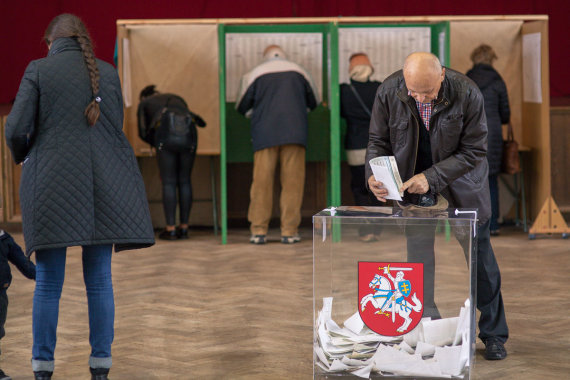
(23, 22)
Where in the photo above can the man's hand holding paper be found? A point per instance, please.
(377, 189)
(385, 183)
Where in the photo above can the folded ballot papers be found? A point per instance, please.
(385, 170)
(435, 348)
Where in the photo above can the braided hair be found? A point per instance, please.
(68, 25)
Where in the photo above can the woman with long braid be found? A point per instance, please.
(80, 184)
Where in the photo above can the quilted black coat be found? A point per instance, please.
(497, 111)
(80, 184)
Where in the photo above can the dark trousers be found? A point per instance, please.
(494, 191)
(492, 323)
(420, 246)
(175, 171)
(3, 311)
(362, 197)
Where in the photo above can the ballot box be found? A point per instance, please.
(394, 292)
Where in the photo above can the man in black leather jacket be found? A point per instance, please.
(433, 121)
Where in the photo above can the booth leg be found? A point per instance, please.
(214, 195)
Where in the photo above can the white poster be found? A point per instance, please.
(386, 47)
(532, 81)
(244, 51)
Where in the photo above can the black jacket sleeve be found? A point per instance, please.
(504, 110)
(146, 132)
(310, 95)
(246, 102)
(21, 123)
(16, 256)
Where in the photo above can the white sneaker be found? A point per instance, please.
(290, 239)
(257, 239)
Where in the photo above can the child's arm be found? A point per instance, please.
(17, 257)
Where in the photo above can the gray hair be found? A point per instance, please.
(483, 54)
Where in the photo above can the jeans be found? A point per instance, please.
(175, 171)
(50, 273)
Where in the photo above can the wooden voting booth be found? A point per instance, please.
(194, 58)
(319, 46)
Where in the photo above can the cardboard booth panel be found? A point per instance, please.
(505, 38)
(179, 59)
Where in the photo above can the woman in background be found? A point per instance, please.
(356, 100)
(80, 184)
(174, 165)
(498, 113)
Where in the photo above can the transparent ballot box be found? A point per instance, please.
(394, 293)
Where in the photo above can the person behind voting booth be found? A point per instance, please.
(356, 99)
(10, 251)
(498, 113)
(276, 94)
(166, 123)
(433, 121)
(80, 184)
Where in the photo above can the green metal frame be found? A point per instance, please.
(334, 104)
(223, 144)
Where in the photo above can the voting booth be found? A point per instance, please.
(201, 60)
(384, 308)
(241, 49)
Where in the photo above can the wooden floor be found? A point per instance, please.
(199, 310)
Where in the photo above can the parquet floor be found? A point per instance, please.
(199, 310)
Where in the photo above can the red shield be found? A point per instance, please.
(390, 296)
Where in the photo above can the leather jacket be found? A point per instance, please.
(458, 138)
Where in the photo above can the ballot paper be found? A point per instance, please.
(440, 332)
(436, 348)
(385, 170)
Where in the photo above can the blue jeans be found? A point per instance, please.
(50, 273)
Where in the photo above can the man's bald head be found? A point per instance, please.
(274, 51)
(423, 75)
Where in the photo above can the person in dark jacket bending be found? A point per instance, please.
(433, 121)
(80, 184)
(10, 251)
(356, 99)
(175, 166)
(498, 113)
(276, 94)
